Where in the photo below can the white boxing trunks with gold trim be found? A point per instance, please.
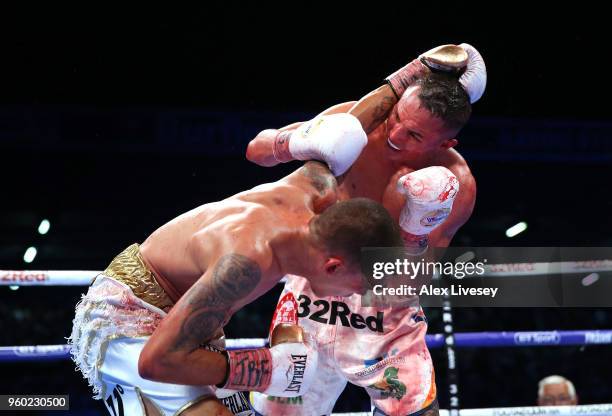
(111, 326)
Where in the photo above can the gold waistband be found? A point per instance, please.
(129, 268)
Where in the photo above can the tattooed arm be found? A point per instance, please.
(317, 182)
(374, 108)
(371, 111)
(173, 353)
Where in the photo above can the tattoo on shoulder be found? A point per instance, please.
(320, 177)
(235, 276)
(209, 302)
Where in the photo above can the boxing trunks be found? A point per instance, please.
(380, 349)
(113, 322)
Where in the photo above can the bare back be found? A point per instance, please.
(181, 251)
(220, 257)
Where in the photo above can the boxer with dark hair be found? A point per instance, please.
(410, 166)
(148, 333)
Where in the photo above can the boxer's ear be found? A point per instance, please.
(333, 264)
(447, 144)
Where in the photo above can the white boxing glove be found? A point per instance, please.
(474, 79)
(336, 139)
(445, 58)
(294, 365)
(285, 370)
(430, 194)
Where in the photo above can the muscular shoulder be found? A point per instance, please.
(249, 254)
(238, 272)
(316, 181)
(252, 257)
(242, 230)
(457, 164)
(318, 176)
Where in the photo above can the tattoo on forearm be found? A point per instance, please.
(280, 147)
(209, 302)
(320, 177)
(380, 112)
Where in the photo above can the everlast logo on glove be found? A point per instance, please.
(339, 310)
(299, 366)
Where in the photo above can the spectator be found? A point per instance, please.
(556, 391)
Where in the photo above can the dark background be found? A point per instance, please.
(114, 119)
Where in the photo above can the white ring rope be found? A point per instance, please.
(85, 277)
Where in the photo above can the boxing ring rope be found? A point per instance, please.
(47, 277)
(460, 340)
(85, 277)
